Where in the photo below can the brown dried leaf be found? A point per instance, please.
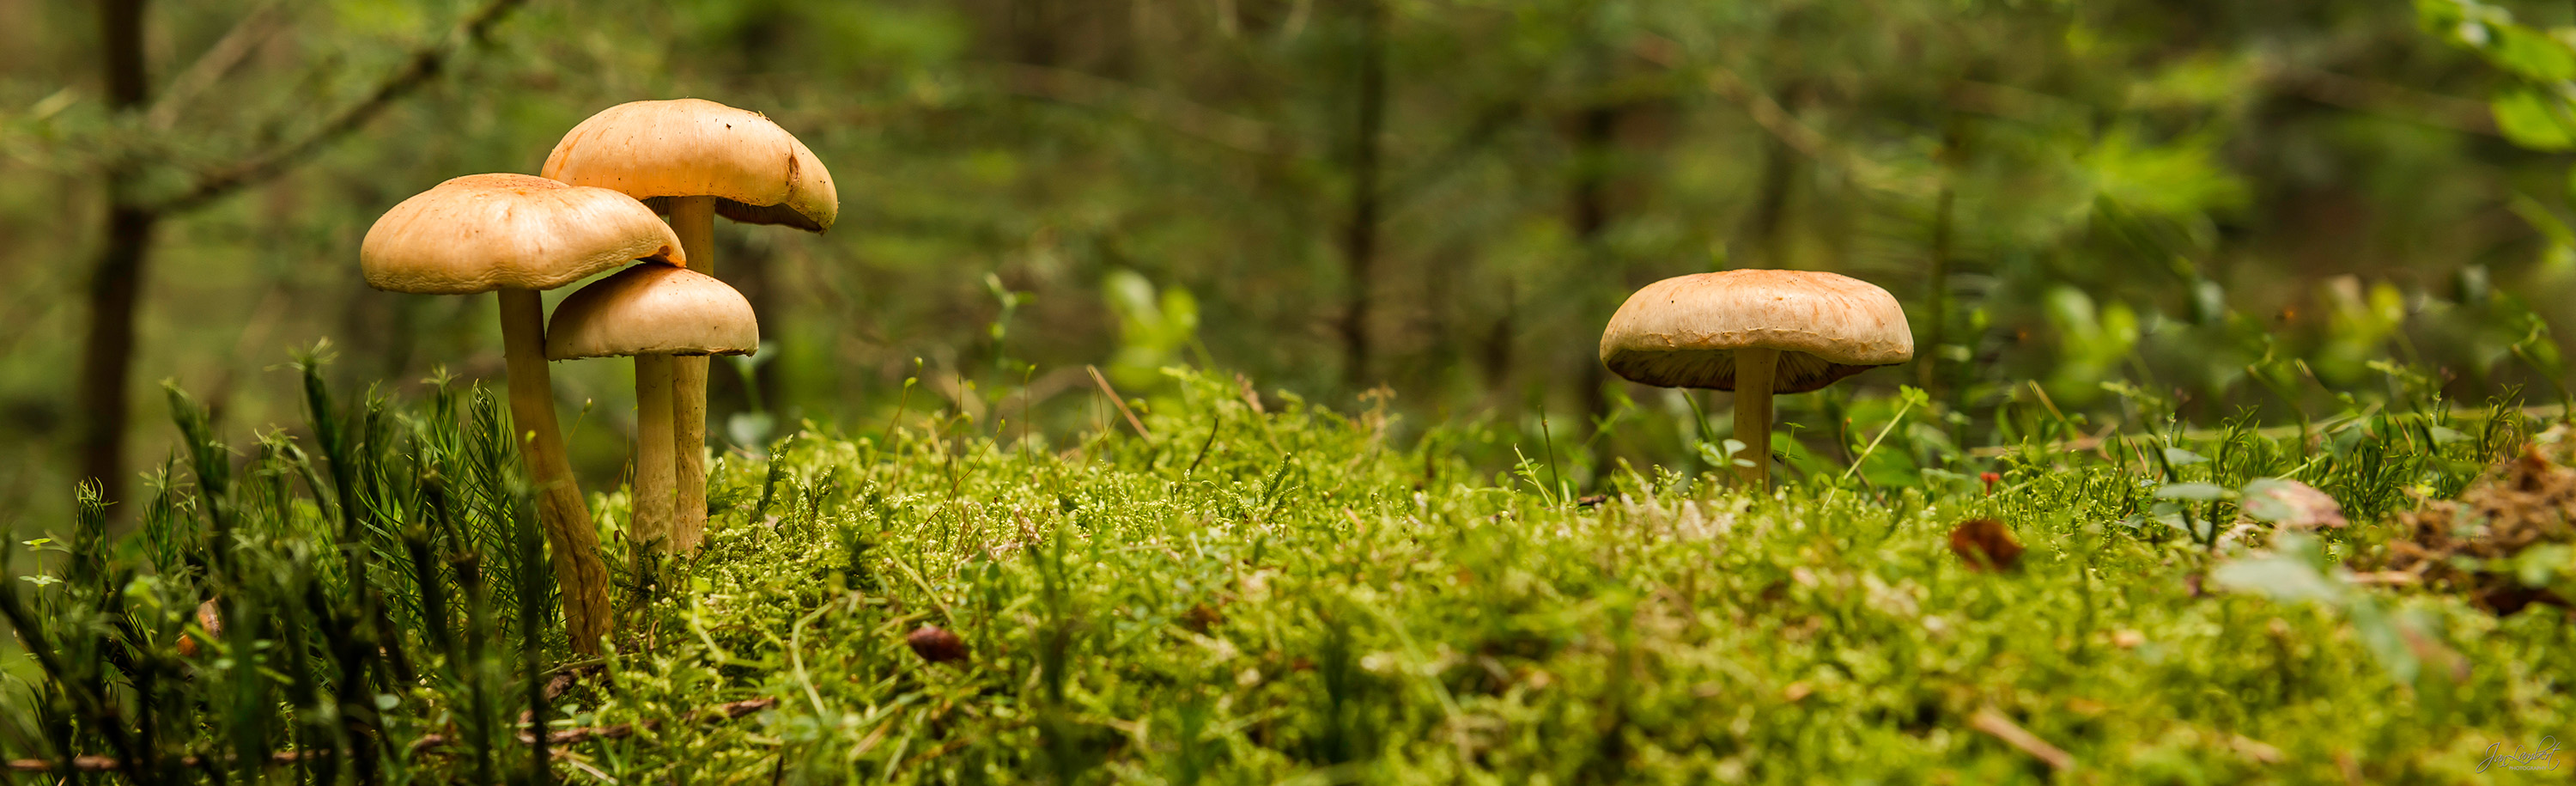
(936, 644)
(1986, 545)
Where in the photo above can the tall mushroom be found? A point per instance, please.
(516, 235)
(657, 314)
(1755, 332)
(697, 159)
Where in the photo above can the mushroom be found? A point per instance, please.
(1755, 332)
(516, 235)
(696, 159)
(656, 314)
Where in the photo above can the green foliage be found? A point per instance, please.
(1152, 329)
(265, 611)
(1138, 186)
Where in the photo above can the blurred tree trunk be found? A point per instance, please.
(118, 274)
(1589, 199)
(1767, 227)
(1936, 285)
(1497, 342)
(1359, 237)
(116, 277)
(749, 267)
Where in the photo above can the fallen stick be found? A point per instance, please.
(433, 744)
(2002, 728)
(1132, 422)
(110, 764)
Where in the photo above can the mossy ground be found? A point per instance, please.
(1306, 602)
(1299, 596)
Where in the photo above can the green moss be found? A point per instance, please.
(1295, 596)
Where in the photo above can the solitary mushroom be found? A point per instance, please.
(516, 235)
(695, 159)
(1755, 332)
(653, 313)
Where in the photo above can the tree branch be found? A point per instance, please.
(1179, 114)
(245, 37)
(424, 65)
(1767, 113)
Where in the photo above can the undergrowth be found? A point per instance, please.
(1283, 593)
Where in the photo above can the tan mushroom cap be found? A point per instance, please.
(653, 310)
(1683, 332)
(479, 233)
(758, 173)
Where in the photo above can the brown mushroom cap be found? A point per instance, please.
(479, 233)
(653, 310)
(650, 150)
(1683, 332)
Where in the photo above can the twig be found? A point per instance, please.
(254, 29)
(1203, 447)
(2382, 98)
(1132, 422)
(2002, 728)
(111, 764)
(1873, 442)
(425, 64)
(434, 743)
(1179, 114)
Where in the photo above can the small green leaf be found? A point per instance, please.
(2180, 456)
(2533, 54)
(2279, 578)
(2196, 492)
(2533, 120)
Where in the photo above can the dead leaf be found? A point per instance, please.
(1985, 545)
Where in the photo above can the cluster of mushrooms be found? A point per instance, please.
(1755, 332)
(592, 210)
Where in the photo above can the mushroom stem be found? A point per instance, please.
(694, 220)
(654, 440)
(578, 569)
(1753, 371)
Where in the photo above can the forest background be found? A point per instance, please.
(2272, 208)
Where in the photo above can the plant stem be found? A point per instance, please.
(1753, 369)
(694, 220)
(1892, 421)
(655, 438)
(578, 569)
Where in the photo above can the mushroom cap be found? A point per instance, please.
(479, 233)
(653, 310)
(649, 150)
(1683, 332)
